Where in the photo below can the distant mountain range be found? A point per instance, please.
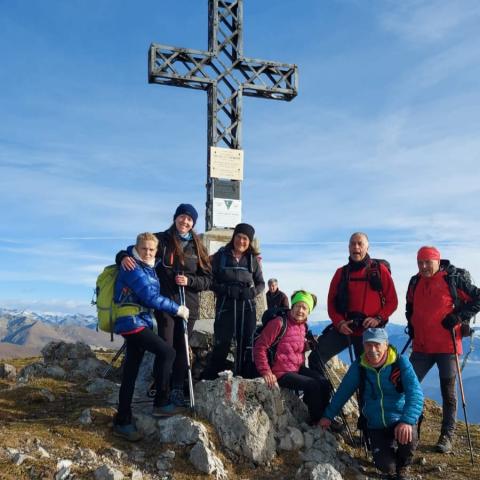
(25, 333)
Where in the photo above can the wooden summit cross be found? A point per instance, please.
(226, 75)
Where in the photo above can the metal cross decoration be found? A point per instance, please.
(226, 75)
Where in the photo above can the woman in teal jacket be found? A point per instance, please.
(391, 402)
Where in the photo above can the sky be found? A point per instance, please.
(383, 137)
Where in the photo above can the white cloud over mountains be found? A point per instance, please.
(383, 137)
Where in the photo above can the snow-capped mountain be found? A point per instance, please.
(76, 319)
(25, 333)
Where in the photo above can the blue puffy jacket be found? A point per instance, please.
(140, 286)
(383, 406)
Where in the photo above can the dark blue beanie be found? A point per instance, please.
(186, 209)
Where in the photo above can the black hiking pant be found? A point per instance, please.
(172, 331)
(234, 319)
(390, 456)
(330, 343)
(137, 344)
(447, 369)
(315, 388)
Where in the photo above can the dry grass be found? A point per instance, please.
(29, 419)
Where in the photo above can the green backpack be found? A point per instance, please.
(107, 310)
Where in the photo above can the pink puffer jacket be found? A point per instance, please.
(290, 350)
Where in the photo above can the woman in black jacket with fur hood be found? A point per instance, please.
(182, 261)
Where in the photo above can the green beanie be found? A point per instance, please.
(303, 296)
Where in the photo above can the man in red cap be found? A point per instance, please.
(441, 300)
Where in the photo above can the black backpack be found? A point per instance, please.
(454, 277)
(268, 315)
(454, 274)
(373, 277)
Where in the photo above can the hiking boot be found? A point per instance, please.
(128, 432)
(167, 410)
(177, 397)
(444, 444)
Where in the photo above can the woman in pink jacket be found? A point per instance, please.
(288, 369)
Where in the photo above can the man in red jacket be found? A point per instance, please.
(440, 301)
(361, 295)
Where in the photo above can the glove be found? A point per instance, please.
(247, 293)
(466, 330)
(234, 292)
(409, 330)
(450, 321)
(183, 312)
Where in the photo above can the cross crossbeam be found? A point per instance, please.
(226, 75)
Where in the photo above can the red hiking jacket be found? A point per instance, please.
(362, 298)
(432, 302)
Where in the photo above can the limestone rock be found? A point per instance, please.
(66, 353)
(319, 471)
(291, 439)
(39, 369)
(42, 452)
(7, 371)
(100, 386)
(20, 458)
(85, 455)
(85, 417)
(181, 430)
(164, 461)
(106, 472)
(203, 459)
(245, 413)
(77, 359)
(63, 469)
(115, 453)
(325, 449)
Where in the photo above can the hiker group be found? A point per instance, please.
(160, 278)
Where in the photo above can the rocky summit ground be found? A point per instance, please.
(41, 426)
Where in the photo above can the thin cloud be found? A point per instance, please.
(420, 21)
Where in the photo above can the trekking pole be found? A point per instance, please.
(363, 436)
(235, 350)
(404, 349)
(350, 349)
(242, 324)
(460, 384)
(187, 351)
(470, 349)
(327, 375)
(409, 341)
(114, 359)
(332, 390)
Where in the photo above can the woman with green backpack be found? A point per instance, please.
(139, 288)
(182, 266)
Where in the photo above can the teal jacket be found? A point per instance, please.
(383, 405)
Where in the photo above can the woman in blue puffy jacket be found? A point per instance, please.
(139, 288)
